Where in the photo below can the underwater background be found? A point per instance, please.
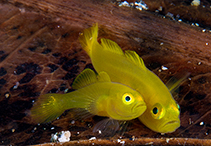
(40, 53)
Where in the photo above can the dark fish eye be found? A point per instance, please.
(155, 110)
(127, 98)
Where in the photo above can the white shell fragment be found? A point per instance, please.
(195, 3)
(63, 136)
(140, 5)
(164, 68)
(92, 138)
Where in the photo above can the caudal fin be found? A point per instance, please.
(47, 108)
(88, 37)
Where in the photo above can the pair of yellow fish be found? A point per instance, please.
(124, 89)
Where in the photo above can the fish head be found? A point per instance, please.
(126, 104)
(162, 117)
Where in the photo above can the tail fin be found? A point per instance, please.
(47, 108)
(88, 37)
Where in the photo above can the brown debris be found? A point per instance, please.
(139, 141)
(40, 53)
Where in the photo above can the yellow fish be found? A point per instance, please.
(95, 94)
(162, 114)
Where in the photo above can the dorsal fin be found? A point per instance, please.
(88, 76)
(103, 77)
(135, 58)
(111, 46)
(88, 38)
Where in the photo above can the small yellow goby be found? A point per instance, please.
(95, 94)
(162, 114)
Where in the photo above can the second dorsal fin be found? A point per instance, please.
(111, 46)
(87, 77)
(135, 58)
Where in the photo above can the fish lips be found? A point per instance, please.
(140, 109)
(170, 126)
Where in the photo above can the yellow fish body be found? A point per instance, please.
(162, 114)
(95, 94)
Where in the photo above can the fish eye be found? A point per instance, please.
(127, 98)
(157, 111)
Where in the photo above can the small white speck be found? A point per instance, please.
(201, 123)
(32, 101)
(196, 24)
(54, 137)
(167, 140)
(92, 138)
(44, 128)
(7, 95)
(199, 63)
(22, 10)
(189, 79)
(206, 133)
(207, 44)
(100, 132)
(141, 5)
(58, 26)
(118, 140)
(179, 20)
(161, 44)
(65, 91)
(122, 142)
(72, 122)
(35, 128)
(125, 3)
(47, 81)
(52, 128)
(203, 30)
(160, 8)
(164, 68)
(77, 132)
(16, 85)
(190, 121)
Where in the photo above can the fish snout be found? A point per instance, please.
(170, 126)
(139, 108)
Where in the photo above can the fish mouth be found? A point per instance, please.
(134, 113)
(170, 126)
(172, 122)
(140, 107)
